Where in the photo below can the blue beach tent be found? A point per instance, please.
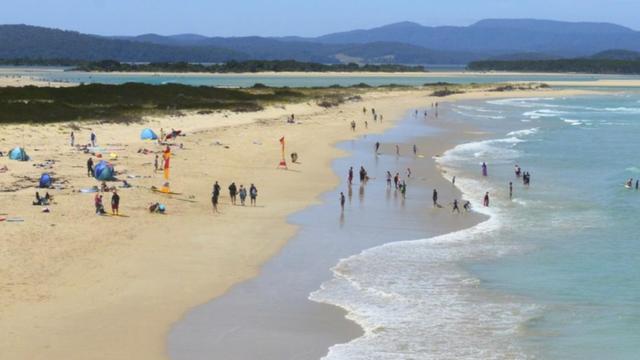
(148, 134)
(18, 154)
(46, 180)
(104, 171)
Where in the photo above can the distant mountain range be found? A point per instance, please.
(400, 43)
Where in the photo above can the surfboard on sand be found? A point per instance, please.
(155, 189)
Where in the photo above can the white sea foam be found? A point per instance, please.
(521, 102)
(543, 113)
(572, 122)
(524, 132)
(414, 301)
(494, 117)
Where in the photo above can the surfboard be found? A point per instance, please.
(628, 186)
(162, 192)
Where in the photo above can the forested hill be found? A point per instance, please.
(242, 67)
(585, 65)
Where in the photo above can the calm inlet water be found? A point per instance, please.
(302, 80)
(553, 274)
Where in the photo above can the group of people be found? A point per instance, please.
(115, 203)
(93, 139)
(234, 193)
(526, 176)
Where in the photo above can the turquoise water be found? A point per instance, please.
(302, 80)
(553, 273)
(577, 224)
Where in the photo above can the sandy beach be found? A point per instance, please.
(77, 286)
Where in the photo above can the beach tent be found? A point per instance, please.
(46, 180)
(18, 154)
(104, 171)
(148, 134)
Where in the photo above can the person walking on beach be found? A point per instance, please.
(93, 139)
(215, 194)
(90, 167)
(380, 117)
(366, 124)
(243, 194)
(434, 197)
(353, 125)
(396, 180)
(72, 139)
(350, 176)
(253, 194)
(155, 164)
(453, 180)
(397, 150)
(377, 146)
(415, 150)
(115, 203)
(455, 206)
(389, 179)
(233, 190)
(408, 173)
(403, 189)
(342, 201)
(485, 201)
(510, 190)
(364, 110)
(484, 169)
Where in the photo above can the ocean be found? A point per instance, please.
(552, 274)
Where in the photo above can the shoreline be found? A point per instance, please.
(81, 276)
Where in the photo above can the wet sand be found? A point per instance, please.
(270, 316)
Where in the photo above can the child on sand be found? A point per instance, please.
(243, 194)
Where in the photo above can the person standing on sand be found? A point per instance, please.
(72, 138)
(388, 179)
(90, 167)
(215, 194)
(94, 139)
(415, 150)
(455, 206)
(403, 189)
(363, 174)
(485, 201)
(434, 197)
(115, 203)
(353, 126)
(233, 190)
(155, 163)
(253, 194)
(510, 190)
(397, 150)
(243, 194)
(377, 146)
(350, 176)
(396, 180)
(364, 110)
(380, 117)
(342, 201)
(366, 124)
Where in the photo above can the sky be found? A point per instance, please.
(295, 17)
